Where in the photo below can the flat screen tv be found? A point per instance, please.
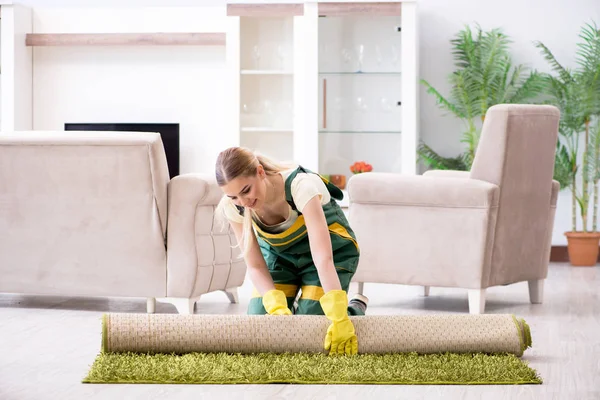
(169, 134)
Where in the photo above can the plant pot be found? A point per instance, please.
(339, 181)
(583, 248)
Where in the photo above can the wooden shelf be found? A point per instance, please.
(265, 129)
(361, 9)
(264, 10)
(126, 39)
(265, 72)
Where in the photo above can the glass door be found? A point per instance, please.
(360, 110)
(266, 92)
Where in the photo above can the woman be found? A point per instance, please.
(301, 241)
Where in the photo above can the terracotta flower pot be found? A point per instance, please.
(583, 248)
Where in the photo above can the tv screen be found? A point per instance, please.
(169, 134)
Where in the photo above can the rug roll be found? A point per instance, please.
(377, 334)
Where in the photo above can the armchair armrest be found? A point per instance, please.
(431, 191)
(200, 253)
(444, 173)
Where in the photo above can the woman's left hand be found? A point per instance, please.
(341, 337)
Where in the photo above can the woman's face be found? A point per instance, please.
(248, 191)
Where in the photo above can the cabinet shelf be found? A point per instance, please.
(390, 73)
(265, 72)
(360, 131)
(265, 129)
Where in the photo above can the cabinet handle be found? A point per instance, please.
(324, 103)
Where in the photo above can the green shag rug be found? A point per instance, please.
(303, 368)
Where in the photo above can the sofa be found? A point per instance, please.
(95, 214)
(487, 227)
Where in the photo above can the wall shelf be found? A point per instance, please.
(126, 39)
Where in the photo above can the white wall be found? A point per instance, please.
(160, 84)
(16, 82)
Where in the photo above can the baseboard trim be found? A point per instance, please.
(560, 254)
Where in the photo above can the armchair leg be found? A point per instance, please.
(184, 305)
(151, 305)
(476, 301)
(232, 295)
(536, 291)
(426, 290)
(357, 287)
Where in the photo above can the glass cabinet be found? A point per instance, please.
(328, 84)
(360, 117)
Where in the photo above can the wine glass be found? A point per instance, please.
(361, 104)
(360, 52)
(346, 57)
(395, 54)
(386, 104)
(280, 51)
(256, 56)
(378, 55)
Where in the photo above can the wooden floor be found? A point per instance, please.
(48, 343)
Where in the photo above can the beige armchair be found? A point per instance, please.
(490, 226)
(94, 214)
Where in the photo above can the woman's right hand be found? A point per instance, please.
(275, 303)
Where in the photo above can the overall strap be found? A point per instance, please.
(333, 190)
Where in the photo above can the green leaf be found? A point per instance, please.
(433, 160)
(563, 171)
(484, 76)
(554, 64)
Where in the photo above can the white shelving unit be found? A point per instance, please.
(330, 83)
(266, 84)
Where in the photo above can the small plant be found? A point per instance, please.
(360, 167)
(485, 76)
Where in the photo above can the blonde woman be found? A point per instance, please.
(293, 236)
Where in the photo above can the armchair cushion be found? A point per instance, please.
(428, 191)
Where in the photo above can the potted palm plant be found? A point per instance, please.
(484, 76)
(577, 93)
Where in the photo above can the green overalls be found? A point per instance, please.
(290, 262)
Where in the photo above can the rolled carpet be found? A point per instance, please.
(250, 334)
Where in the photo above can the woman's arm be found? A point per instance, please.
(257, 267)
(320, 244)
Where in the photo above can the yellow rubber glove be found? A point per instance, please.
(275, 303)
(341, 338)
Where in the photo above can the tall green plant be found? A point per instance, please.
(484, 76)
(577, 93)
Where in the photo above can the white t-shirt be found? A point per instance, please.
(304, 187)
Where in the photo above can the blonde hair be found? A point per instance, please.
(237, 162)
